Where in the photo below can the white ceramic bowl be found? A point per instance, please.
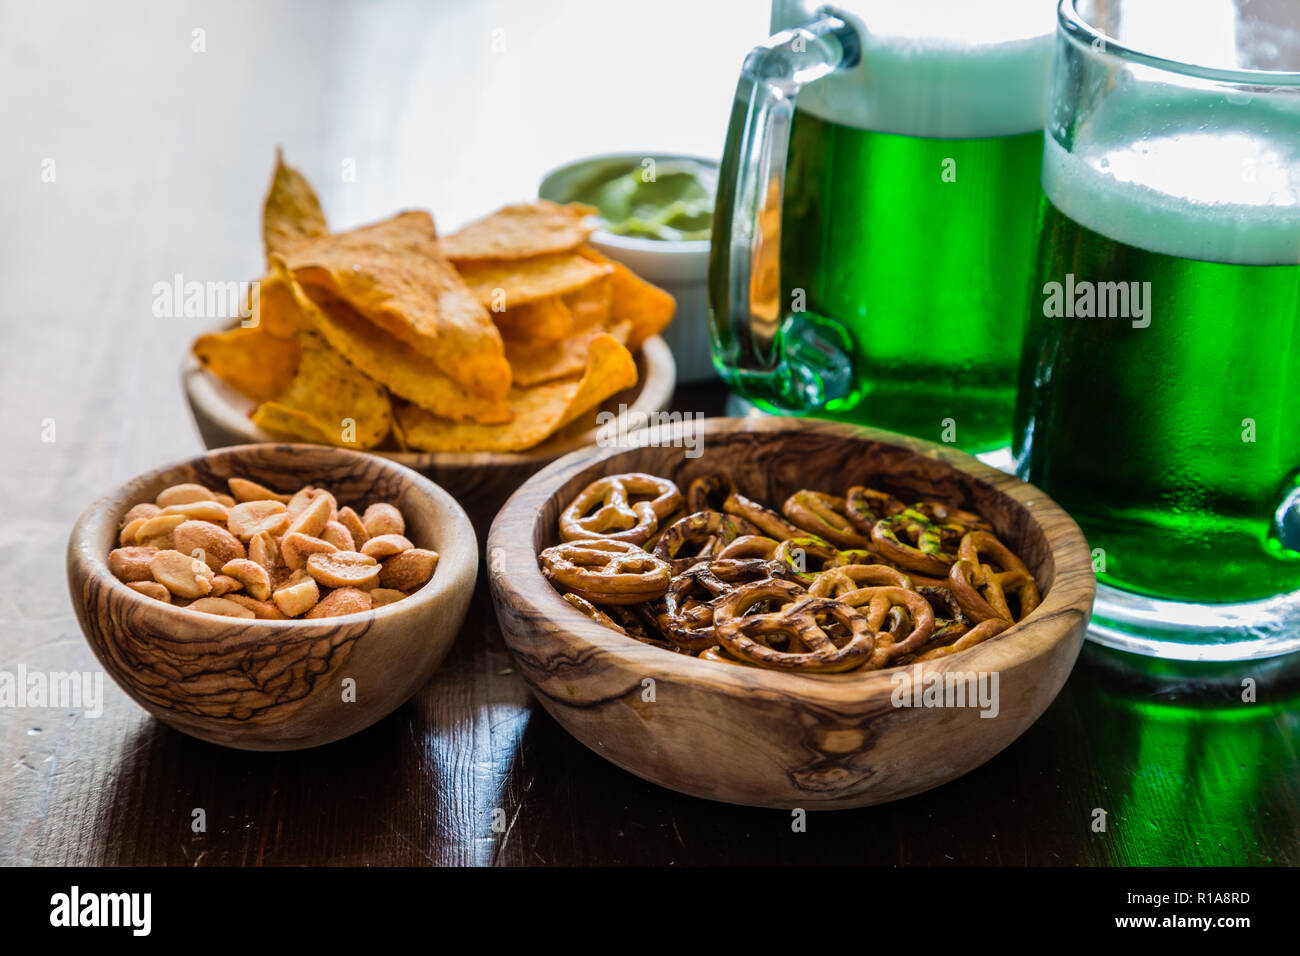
(682, 267)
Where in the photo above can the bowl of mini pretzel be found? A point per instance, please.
(789, 613)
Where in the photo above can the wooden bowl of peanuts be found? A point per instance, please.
(273, 596)
(789, 613)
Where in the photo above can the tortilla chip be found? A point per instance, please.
(520, 232)
(402, 370)
(535, 362)
(393, 274)
(276, 310)
(593, 304)
(515, 283)
(290, 424)
(546, 320)
(539, 411)
(343, 404)
(249, 360)
(291, 213)
(648, 307)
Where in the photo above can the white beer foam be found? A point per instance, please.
(940, 68)
(1232, 195)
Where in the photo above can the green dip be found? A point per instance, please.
(673, 199)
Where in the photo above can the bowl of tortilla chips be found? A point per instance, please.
(475, 358)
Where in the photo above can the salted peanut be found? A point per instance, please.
(249, 518)
(352, 521)
(216, 605)
(305, 496)
(245, 490)
(224, 584)
(199, 511)
(134, 563)
(183, 495)
(342, 601)
(252, 575)
(382, 596)
(296, 548)
(409, 570)
(209, 542)
(144, 509)
(156, 532)
(383, 519)
(265, 551)
(338, 535)
(153, 589)
(224, 500)
(385, 546)
(343, 569)
(129, 531)
(262, 610)
(297, 597)
(312, 519)
(184, 576)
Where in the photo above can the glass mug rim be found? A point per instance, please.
(1083, 34)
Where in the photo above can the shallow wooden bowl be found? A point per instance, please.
(275, 685)
(766, 738)
(480, 481)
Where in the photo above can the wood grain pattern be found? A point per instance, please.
(766, 738)
(275, 685)
(480, 481)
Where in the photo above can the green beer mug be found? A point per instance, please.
(872, 242)
(1160, 385)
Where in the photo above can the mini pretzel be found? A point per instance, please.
(912, 541)
(793, 552)
(751, 546)
(746, 636)
(953, 522)
(606, 571)
(767, 520)
(978, 634)
(688, 622)
(865, 506)
(823, 515)
(834, 582)
(615, 517)
(709, 493)
(981, 589)
(593, 612)
(713, 529)
(881, 602)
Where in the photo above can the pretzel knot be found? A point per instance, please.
(693, 597)
(903, 619)
(912, 541)
(837, 581)
(604, 509)
(794, 624)
(824, 515)
(606, 571)
(713, 530)
(865, 506)
(981, 588)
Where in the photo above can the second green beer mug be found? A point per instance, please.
(1160, 391)
(873, 239)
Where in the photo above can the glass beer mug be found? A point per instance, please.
(1160, 386)
(873, 238)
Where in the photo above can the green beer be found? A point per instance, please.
(872, 243)
(1173, 437)
(928, 300)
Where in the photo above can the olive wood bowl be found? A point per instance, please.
(275, 685)
(769, 738)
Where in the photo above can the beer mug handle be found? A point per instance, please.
(746, 287)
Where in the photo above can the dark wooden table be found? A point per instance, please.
(159, 154)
